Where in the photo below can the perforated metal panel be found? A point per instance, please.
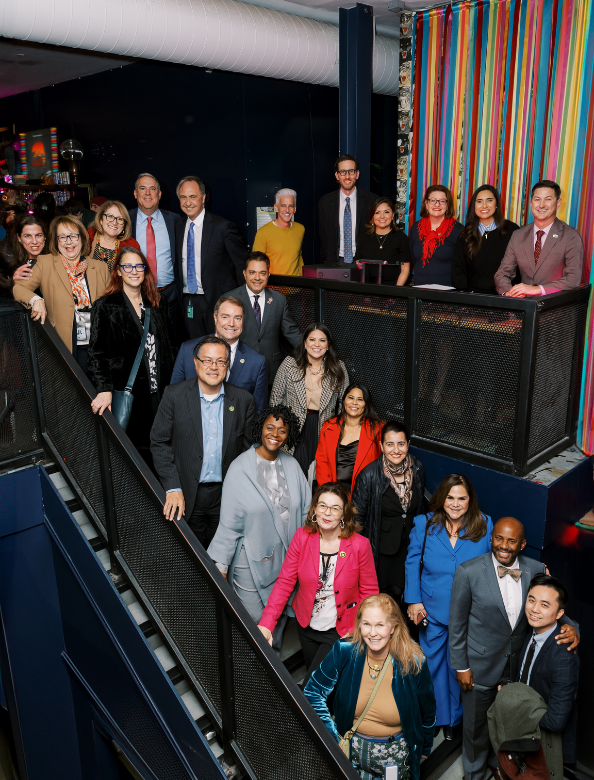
(301, 303)
(272, 739)
(370, 333)
(169, 575)
(18, 432)
(469, 365)
(70, 423)
(555, 348)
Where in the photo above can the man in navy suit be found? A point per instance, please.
(548, 667)
(154, 229)
(247, 369)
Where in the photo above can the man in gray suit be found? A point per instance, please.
(267, 314)
(548, 252)
(488, 627)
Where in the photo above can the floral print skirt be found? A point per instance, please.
(369, 756)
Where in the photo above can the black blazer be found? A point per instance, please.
(171, 221)
(223, 254)
(176, 435)
(277, 320)
(554, 675)
(329, 225)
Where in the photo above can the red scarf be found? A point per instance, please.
(433, 238)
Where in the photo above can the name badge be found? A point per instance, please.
(190, 312)
(81, 333)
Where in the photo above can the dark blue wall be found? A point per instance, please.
(246, 136)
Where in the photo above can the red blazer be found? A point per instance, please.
(354, 580)
(369, 449)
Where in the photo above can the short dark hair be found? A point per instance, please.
(186, 179)
(260, 257)
(278, 412)
(74, 206)
(546, 581)
(344, 158)
(211, 340)
(549, 184)
(394, 426)
(228, 299)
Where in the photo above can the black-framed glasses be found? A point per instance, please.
(350, 172)
(128, 268)
(435, 202)
(111, 218)
(208, 362)
(72, 237)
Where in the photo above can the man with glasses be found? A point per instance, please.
(343, 214)
(210, 254)
(549, 253)
(201, 426)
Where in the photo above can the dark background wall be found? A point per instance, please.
(245, 136)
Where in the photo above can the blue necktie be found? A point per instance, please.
(257, 312)
(347, 229)
(191, 262)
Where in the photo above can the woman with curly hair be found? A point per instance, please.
(265, 500)
(333, 566)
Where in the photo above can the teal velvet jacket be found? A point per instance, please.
(342, 670)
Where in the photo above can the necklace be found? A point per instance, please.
(374, 670)
(102, 251)
(381, 243)
(315, 373)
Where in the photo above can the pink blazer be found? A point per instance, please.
(354, 580)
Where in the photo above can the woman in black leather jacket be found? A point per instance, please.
(388, 494)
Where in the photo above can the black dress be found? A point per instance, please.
(346, 455)
(392, 247)
(475, 274)
(395, 528)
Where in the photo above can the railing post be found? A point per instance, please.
(525, 384)
(320, 304)
(111, 525)
(227, 683)
(413, 338)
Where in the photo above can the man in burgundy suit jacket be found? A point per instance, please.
(548, 252)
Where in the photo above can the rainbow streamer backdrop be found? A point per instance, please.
(503, 94)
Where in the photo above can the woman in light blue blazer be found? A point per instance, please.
(454, 531)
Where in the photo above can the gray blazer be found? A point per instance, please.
(277, 319)
(248, 519)
(559, 266)
(480, 635)
(289, 389)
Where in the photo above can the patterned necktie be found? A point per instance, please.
(515, 573)
(538, 245)
(191, 262)
(151, 247)
(528, 662)
(257, 312)
(347, 230)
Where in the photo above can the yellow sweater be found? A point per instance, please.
(283, 247)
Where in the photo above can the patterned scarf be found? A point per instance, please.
(77, 281)
(403, 489)
(433, 238)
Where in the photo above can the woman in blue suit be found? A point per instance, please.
(454, 531)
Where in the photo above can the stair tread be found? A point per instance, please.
(195, 709)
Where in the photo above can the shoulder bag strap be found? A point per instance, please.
(361, 717)
(424, 543)
(138, 358)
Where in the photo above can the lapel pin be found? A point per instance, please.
(231, 408)
(555, 235)
(269, 300)
(242, 360)
(343, 554)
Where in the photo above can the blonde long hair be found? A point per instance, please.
(402, 648)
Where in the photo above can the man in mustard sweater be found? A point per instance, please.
(282, 238)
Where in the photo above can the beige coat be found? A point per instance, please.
(50, 276)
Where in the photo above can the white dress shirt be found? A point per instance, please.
(353, 203)
(198, 223)
(232, 358)
(261, 301)
(540, 639)
(511, 592)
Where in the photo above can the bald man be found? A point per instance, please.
(488, 627)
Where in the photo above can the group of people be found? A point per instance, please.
(239, 434)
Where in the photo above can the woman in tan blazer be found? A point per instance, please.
(69, 282)
(312, 385)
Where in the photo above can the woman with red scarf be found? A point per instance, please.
(433, 238)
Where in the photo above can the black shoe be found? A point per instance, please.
(449, 733)
(436, 732)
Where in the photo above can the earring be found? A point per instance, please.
(314, 519)
(342, 522)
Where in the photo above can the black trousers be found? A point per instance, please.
(204, 518)
(315, 645)
(200, 324)
(174, 314)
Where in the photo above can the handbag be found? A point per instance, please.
(345, 742)
(121, 402)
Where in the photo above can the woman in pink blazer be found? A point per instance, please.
(333, 565)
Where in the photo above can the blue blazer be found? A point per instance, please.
(341, 671)
(248, 372)
(434, 589)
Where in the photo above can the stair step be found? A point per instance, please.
(195, 709)
(103, 556)
(138, 613)
(175, 675)
(165, 658)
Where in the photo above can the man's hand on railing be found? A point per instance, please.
(174, 502)
(267, 634)
(101, 402)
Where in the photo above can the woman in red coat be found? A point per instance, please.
(333, 565)
(350, 441)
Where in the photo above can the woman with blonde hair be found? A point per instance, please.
(110, 231)
(384, 704)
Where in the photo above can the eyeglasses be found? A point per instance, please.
(334, 510)
(350, 172)
(73, 238)
(435, 202)
(208, 362)
(128, 268)
(111, 218)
